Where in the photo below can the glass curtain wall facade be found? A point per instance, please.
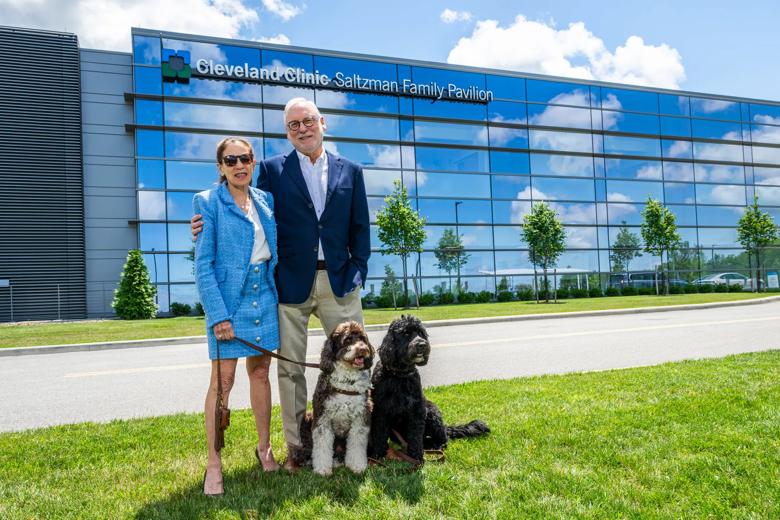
(594, 152)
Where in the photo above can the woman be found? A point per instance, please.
(235, 256)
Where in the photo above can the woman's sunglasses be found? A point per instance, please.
(232, 160)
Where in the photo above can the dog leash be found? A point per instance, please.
(274, 354)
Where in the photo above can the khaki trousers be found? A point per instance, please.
(293, 331)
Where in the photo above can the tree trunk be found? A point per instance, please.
(666, 273)
(406, 284)
(757, 282)
(546, 288)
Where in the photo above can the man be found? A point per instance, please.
(324, 244)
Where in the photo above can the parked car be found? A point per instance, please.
(728, 279)
(642, 279)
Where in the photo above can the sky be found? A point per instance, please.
(716, 47)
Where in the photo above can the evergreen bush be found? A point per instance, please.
(180, 309)
(612, 291)
(484, 296)
(134, 298)
(467, 297)
(595, 292)
(504, 296)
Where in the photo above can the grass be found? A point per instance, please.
(696, 439)
(25, 335)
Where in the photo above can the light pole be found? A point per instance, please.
(457, 234)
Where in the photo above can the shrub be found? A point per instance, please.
(676, 289)
(721, 287)
(446, 298)
(467, 297)
(612, 291)
(691, 288)
(484, 296)
(199, 309)
(563, 293)
(705, 288)
(595, 292)
(525, 294)
(180, 309)
(579, 293)
(504, 296)
(134, 298)
(648, 291)
(735, 288)
(629, 291)
(426, 299)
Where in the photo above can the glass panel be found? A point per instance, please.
(146, 50)
(181, 268)
(580, 260)
(767, 175)
(508, 162)
(213, 116)
(510, 212)
(280, 61)
(473, 237)
(430, 132)
(631, 146)
(478, 263)
(629, 99)
(678, 192)
(558, 93)
(718, 237)
(273, 121)
(719, 173)
(506, 87)
(151, 205)
(768, 195)
(374, 205)
(561, 141)
(511, 187)
(180, 205)
(148, 80)
(717, 152)
(715, 108)
(385, 156)
(633, 169)
(763, 154)
(348, 68)
(443, 211)
(765, 134)
(184, 294)
(157, 265)
(192, 175)
(276, 146)
(218, 54)
(377, 103)
(677, 149)
(453, 185)
(380, 182)
(568, 165)
(566, 117)
(377, 263)
(675, 105)
(451, 159)
(180, 145)
(630, 191)
(581, 237)
(719, 216)
(507, 112)
(508, 237)
(678, 171)
(676, 126)
(501, 136)
(148, 112)
(151, 174)
(180, 238)
(631, 214)
(408, 160)
(720, 194)
(443, 77)
(574, 213)
(685, 215)
(716, 130)
(362, 127)
(206, 88)
(634, 123)
(280, 95)
(152, 237)
(450, 109)
(410, 183)
(149, 143)
(562, 189)
(513, 262)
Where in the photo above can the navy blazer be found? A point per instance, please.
(343, 226)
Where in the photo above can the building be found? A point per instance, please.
(473, 147)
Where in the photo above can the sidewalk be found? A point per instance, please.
(86, 347)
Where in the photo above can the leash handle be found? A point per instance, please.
(274, 354)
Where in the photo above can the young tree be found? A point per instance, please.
(659, 232)
(543, 232)
(449, 254)
(756, 230)
(627, 246)
(401, 229)
(391, 287)
(134, 298)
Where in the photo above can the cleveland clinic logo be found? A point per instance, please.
(176, 65)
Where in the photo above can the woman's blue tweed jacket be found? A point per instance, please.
(224, 247)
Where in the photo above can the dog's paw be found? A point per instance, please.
(356, 464)
(325, 472)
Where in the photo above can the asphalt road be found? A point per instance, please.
(43, 390)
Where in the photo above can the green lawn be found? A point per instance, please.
(695, 439)
(117, 330)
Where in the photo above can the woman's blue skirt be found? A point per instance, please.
(256, 319)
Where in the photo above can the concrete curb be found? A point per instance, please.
(110, 345)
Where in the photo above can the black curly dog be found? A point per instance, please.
(399, 403)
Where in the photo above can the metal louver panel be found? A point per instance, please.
(41, 176)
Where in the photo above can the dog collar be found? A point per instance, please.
(346, 392)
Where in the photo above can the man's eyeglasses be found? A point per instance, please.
(308, 122)
(232, 160)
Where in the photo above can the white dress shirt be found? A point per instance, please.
(316, 177)
(260, 250)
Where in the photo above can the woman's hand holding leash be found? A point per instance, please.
(224, 330)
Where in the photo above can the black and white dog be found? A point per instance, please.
(342, 404)
(399, 403)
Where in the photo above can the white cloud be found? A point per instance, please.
(282, 9)
(280, 38)
(532, 46)
(450, 16)
(105, 24)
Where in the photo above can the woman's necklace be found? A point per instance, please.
(246, 206)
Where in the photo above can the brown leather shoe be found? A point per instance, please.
(290, 465)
